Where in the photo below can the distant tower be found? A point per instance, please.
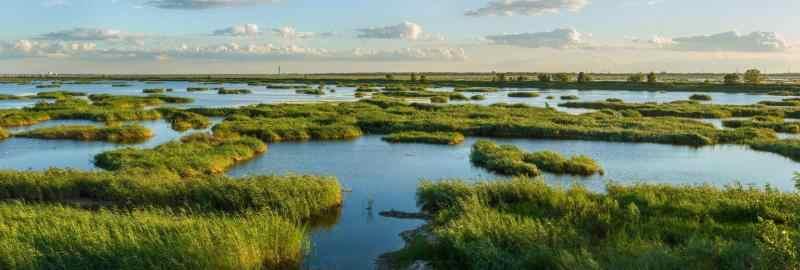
(279, 70)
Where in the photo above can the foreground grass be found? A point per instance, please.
(294, 197)
(4, 134)
(117, 134)
(196, 154)
(510, 160)
(526, 224)
(55, 237)
(450, 138)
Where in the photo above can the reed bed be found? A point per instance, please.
(195, 154)
(449, 138)
(115, 133)
(524, 223)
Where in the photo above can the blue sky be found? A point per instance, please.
(245, 36)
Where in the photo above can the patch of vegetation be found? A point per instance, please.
(156, 90)
(685, 109)
(116, 133)
(58, 95)
(197, 89)
(788, 148)
(524, 223)
(366, 89)
(510, 160)
(476, 90)
(439, 99)
(185, 120)
(48, 86)
(570, 97)
(783, 103)
(224, 91)
(700, 97)
(4, 134)
(477, 97)
(450, 138)
(196, 154)
(774, 123)
(523, 94)
(310, 91)
(18, 118)
(294, 197)
(614, 100)
(291, 129)
(57, 237)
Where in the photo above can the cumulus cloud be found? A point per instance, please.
(406, 30)
(288, 32)
(527, 7)
(728, 41)
(563, 38)
(87, 34)
(203, 4)
(35, 48)
(239, 30)
(445, 54)
(228, 51)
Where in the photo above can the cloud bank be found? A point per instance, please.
(526, 7)
(564, 38)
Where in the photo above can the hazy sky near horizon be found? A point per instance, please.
(311, 36)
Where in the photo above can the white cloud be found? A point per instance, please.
(203, 4)
(239, 30)
(445, 54)
(93, 34)
(563, 38)
(229, 51)
(728, 41)
(288, 32)
(527, 7)
(405, 30)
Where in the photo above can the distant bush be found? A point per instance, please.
(523, 94)
(450, 138)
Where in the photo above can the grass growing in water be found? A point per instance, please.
(117, 134)
(526, 224)
(439, 99)
(56, 237)
(477, 97)
(523, 94)
(294, 197)
(510, 160)
(450, 138)
(196, 154)
(700, 97)
(185, 120)
(234, 91)
(4, 134)
(774, 123)
(310, 91)
(570, 97)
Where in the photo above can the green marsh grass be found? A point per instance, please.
(570, 97)
(115, 133)
(184, 120)
(234, 91)
(477, 97)
(770, 122)
(197, 89)
(524, 223)
(310, 91)
(523, 94)
(4, 134)
(700, 97)
(510, 160)
(57, 237)
(439, 99)
(449, 138)
(195, 154)
(294, 197)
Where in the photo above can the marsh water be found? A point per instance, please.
(382, 176)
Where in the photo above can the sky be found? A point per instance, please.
(328, 36)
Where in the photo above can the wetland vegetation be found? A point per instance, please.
(177, 209)
(524, 223)
(449, 138)
(113, 133)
